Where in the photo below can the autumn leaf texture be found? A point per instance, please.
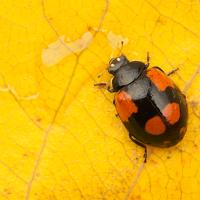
(59, 136)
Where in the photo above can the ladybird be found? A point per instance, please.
(148, 102)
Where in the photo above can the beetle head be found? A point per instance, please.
(116, 63)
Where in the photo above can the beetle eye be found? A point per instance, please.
(118, 59)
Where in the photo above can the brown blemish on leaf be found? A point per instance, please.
(7, 191)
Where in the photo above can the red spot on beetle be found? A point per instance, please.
(155, 126)
(161, 80)
(172, 112)
(124, 105)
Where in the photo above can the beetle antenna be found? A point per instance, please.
(148, 59)
(101, 74)
(122, 44)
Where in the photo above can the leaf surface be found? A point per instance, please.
(60, 138)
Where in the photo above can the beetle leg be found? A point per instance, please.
(111, 90)
(99, 75)
(102, 84)
(142, 145)
(148, 60)
(173, 71)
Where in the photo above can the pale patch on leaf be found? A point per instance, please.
(59, 49)
(116, 40)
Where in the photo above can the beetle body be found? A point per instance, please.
(148, 102)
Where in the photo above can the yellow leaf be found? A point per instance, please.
(59, 136)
